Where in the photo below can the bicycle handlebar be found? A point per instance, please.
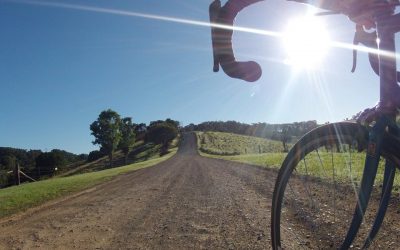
(222, 18)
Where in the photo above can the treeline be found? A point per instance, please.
(112, 132)
(35, 163)
(263, 130)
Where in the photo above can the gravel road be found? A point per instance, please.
(185, 202)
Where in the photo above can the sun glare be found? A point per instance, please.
(306, 41)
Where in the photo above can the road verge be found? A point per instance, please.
(20, 198)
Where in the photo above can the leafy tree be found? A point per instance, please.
(190, 127)
(153, 123)
(127, 136)
(172, 122)
(5, 179)
(106, 130)
(285, 137)
(47, 163)
(140, 131)
(161, 133)
(70, 157)
(94, 155)
(82, 157)
(7, 162)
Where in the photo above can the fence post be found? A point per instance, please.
(17, 178)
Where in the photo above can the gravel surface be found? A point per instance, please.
(185, 202)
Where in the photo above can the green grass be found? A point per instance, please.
(20, 198)
(218, 143)
(239, 148)
(314, 162)
(271, 160)
(341, 168)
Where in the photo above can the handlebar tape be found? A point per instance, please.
(222, 41)
(214, 9)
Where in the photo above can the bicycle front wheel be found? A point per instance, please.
(316, 190)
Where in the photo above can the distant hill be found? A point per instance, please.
(220, 143)
(292, 131)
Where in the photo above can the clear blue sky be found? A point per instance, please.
(60, 67)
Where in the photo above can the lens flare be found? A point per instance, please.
(147, 16)
(262, 32)
(306, 41)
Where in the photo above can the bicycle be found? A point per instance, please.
(313, 204)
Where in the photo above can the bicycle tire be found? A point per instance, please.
(313, 230)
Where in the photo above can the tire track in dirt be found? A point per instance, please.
(185, 202)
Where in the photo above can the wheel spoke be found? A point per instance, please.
(321, 172)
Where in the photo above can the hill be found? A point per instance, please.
(140, 152)
(291, 131)
(220, 143)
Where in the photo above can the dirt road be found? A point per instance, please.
(185, 202)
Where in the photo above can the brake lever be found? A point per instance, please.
(356, 41)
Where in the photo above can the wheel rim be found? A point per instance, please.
(314, 203)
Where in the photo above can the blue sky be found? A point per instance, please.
(60, 67)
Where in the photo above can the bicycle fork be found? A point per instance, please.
(367, 181)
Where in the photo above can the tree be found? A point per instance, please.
(140, 131)
(7, 162)
(153, 123)
(128, 136)
(47, 163)
(5, 179)
(172, 122)
(106, 130)
(161, 133)
(95, 155)
(285, 137)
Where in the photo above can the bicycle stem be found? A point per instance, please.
(389, 92)
(368, 178)
(389, 89)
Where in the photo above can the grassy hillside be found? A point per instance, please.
(218, 143)
(140, 152)
(270, 160)
(234, 147)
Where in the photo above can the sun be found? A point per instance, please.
(306, 41)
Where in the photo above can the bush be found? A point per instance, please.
(95, 155)
(161, 133)
(5, 179)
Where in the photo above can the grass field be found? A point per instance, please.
(318, 164)
(271, 160)
(218, 143)
(240, 148)
(20, 198)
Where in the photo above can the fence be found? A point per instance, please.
(17, 175)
